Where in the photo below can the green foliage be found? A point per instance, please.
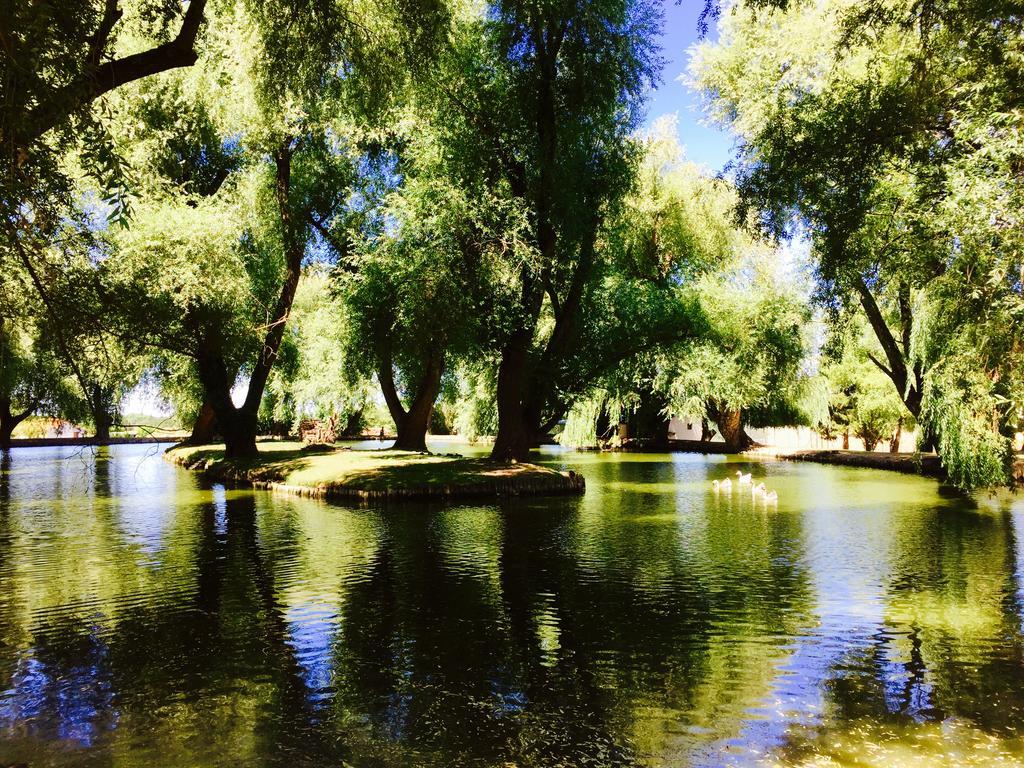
(313, 377)
(890, 134)
(580, 429)
(861, 398)
(473, 403)
(753, 357)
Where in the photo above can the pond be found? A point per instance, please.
(147, 618)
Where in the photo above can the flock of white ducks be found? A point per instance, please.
(756, 489)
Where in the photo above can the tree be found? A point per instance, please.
(672, 234)
(861, 399)
(539, 116)
(72, 47)
(57, 60)
(898, 158)
(751, 365)
(31, 378)
(319, 380)
(413, 285)
(300, 167)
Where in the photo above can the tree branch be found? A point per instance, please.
(386, 378)
(97, 79)
(98, 42)
(341, 248)
(880, 365)
(897, 370)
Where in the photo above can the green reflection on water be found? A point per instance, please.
(866, 619)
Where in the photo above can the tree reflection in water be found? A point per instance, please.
(146, 618)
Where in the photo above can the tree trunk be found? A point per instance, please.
(239, 425)
(730, 425)
(102, 422)
(412, 431)
(7, 425)
(411, 424)
(512, 443)
(706, 432)
(899, 371)
(239, 432)
(100, 407)
(353, 424)
(9, 420)
(204, 428)
(894, 443)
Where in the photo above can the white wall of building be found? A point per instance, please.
(788, 438)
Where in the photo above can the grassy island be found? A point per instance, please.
(344, 473)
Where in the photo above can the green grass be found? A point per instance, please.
(343, 469)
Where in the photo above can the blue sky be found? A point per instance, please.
(709, 146)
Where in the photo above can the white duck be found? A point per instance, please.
(743, 479)
(771, 496)
(757, 489)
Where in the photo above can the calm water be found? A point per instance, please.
(149, 619)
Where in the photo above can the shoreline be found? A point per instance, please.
(47, 442)
(927, 465)
(376, 476)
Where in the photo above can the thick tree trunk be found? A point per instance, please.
(730, 425)
(239, 425)
(512, 443)
(9, 420)
(102, 422)
(412, 431)
(99, 404)
(239, 434)
(353, 423)
(204, 429)
(7, 425)
(411, 424)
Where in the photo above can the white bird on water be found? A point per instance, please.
(723, 485)
(770, 497)
(743, 479)
(756, 489)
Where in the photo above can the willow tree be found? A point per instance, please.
(411, 283)
(57, 61)
(732, 343)
(749, 368)
(32, 379)
(287, 106)
(890, 138)
(540, 115)
(320, 379)
(861, 400)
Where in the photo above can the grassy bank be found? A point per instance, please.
(375, 475)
